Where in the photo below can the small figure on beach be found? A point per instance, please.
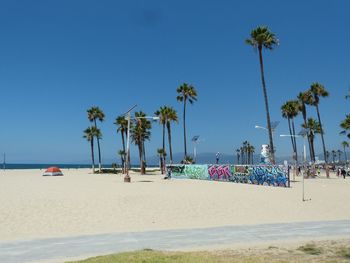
(217, 156)
(343, 172)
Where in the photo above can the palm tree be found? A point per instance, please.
(122, 125)
(345, 144)
(89, 135)
(345, 125)
(313, 127)
(242, 155)
(161, 153)
(122, 155)
(327, 153)
(251, 150)
(289, 111)
(171, 116)
(140, 132)
(306, 98)
(238, 155)
(186, 92)
(260, 38)
(318, 91)
(161, 113)
(95, 113)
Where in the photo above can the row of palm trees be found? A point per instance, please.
(94, 114)
(140, 129)
(245, 154)
(338, 153)
(291, 109)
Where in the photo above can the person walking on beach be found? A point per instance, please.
(217, 157)
(343, 172)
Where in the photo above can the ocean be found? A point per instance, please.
(46, 165)
(13, 166)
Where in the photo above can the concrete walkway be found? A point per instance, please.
(62, 249)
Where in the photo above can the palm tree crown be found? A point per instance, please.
(95, 113)
(262, 37)
(186, 92)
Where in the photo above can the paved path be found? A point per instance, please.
(61, 249)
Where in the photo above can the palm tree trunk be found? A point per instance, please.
(141, 158)
(295, 142)
(99, 150)
(291, 135)
(161, 164)
(92, 155)
(308, 136)
(323, 144)
(272, 149)
(312, 145)
(345, 157)
(144, 155)
(123, 159)
(169, 141)
(184, 117)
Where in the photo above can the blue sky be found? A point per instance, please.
(58, 58)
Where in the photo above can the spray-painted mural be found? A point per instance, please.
(248, 174)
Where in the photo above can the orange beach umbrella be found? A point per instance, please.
(53, 171)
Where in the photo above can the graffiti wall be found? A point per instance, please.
(249, 174)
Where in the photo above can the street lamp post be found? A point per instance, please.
(302, 134)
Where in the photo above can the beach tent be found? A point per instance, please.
(53, 171)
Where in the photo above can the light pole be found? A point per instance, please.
(127, 163)
(302, 134)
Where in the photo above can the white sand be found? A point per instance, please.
(80, 203)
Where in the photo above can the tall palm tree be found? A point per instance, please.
(345, 145)
(306, 98)
(313, 127)
(161, 113)
(318, 91)
(242, 155)
(260, 38)
(186, 93)
(122, 127)
(327, 153)
(171, 116)
(94, 114)
(89, 135)
(287, 110)
(140, 132)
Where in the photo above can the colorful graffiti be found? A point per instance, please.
(221, 172)
(248, 174)
(196, 172)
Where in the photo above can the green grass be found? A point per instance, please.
(310, 249)
(326, 252)
(150, 256)
(344, 252)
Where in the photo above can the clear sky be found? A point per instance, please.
(58, 58)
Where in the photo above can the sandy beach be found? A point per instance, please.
(81, 203)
